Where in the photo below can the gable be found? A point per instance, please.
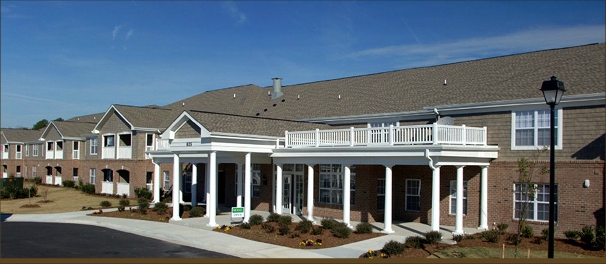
(52, 134)
(114, 123)
(188, 130)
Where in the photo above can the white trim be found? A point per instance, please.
(453, 183)
(559, 130)
(406, 195)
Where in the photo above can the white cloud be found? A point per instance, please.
(115, 32)
(129, 34)
(233, 10)
(517, 42)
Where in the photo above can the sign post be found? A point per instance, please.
(237, 212)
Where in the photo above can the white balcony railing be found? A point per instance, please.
(4, 155)
(109, 153)
(107, 187)
(50, 154)
(393, 135)
(59, 180)
(162, 144)
(149, 186)
(123, 188)
(58, 154)
(49, 179)
(125, 152)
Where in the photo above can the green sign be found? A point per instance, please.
(237, 212)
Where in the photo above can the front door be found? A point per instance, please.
(293, 189)
(286, 193)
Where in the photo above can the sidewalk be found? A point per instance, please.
(193, 232)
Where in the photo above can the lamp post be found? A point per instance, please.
(552, 91)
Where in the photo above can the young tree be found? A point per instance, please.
(40, 124)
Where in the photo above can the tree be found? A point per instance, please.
(41, 124)
(59, 119)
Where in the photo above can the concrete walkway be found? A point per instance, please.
(194, 232)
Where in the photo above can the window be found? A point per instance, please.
(27, 150)
(255, 181)
(166, 180)
(109, 141)
(534, 200)
(149, 142)
(531, 129)
(331, 184)
(25, 168)
(413, 195)
(18, 152)
(34, 171)
(76, 152)
(75, 174)
(381, 194)
(94, 146)
(35, 150)
(453, 197)
(93, 175)
(18, 171)
(187, 182)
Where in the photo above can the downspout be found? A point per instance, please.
(430, 160)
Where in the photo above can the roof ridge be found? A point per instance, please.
(248, 116)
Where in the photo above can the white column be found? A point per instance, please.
(176, 186)
(459, 215)
(310, 193)
(484, 199)
(346, 194)
(207, 188)
(194, 184)
(279, 189)
(156, 182)
(435, 199)
(388, 202)
(247, 194)
(239, 170)
(211, 202)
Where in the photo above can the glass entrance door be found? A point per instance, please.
(286, 194)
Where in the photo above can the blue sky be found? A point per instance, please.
(64, 59)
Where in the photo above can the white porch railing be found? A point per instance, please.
(5, 175)
(50, 154)
(393, 135)
(59, 180)
(76, 154)
(148, 148)
(109, 153)
(18, 155)
(49, 179)
(58, 154)
(4, 155)
(107, 187)
(125, 152)
(123, 188)
(150, 186)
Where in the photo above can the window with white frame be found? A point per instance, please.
(109, 141)
(93, 175)
(166, 180)
(94, 146)
(35, 150)
(18, 152)
(381, 194)
(75, 174)
(413, 195)
(149, 142)
(27, 150)
(533, 199)
(34, 171)
(255, 181)
(76, 150)
(531, 129)
(331, 184)
(453, 197)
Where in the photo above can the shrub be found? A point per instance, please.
(457, 238)
(433, 237)
(502, 227)
(143, 205)
(105, 204)
(514, 239)
(329, 223)
(470, 236)
(255, 220)
(268, 227)
(88, 188)
(273, 217)
(285, 220)
(491, 236)
(143, 192)
(245, 225)
(599, 237)
(364, 228)
(317, 231)
(161, 208)
(545, 234)
(196, 212)
(304, 226)
(587, 235)
(283, 230)
(37, 180)
(393, 248)
(572, 235)
(69, 183)
(341, 230)
(295, 235)
(124, 202)
(527, 231)
(414, 242)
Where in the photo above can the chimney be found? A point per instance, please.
(277, 91)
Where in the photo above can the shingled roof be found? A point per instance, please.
(237, 124)
(19, 135)
(73, 129)
(142, 116)
(502, 78)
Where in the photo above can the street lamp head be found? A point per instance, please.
(553, 91)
